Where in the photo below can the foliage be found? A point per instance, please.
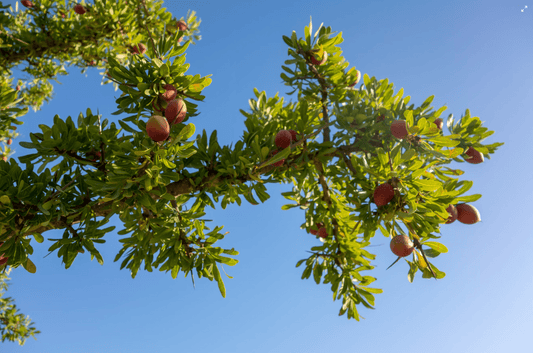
(62, 185)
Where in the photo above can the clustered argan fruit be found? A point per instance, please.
(383, 194)
(158, 128)
(278, 163)
(439, 123)
(79, 9)
(452, 210)
(3, 260)
(139, 48)
(283, 139)
(467, 214)
(27, 3)
(321, 62)
(176, 111)
(399, 128)
(474, 156)
(182, 25)
(357, 78)
(401, 245)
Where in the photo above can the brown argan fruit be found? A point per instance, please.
(17, 88)
(4, 158)
(79, 9)
(138, 49)
(9, 142)
(314, 229)
(439, 123)
(283, 139)
(357, 78)
(452, 210)
(467, 214)
(321, 62)
(170, 92)
(182, 25)
(27, 3)
(176, 111)
(399, 128)
(401, 245)
(383, 194)
(475, 156)
(322, 232)
(3, 260)
(157, 128)
(293, 135)
(278, 163)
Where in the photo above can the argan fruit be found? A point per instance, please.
(157, 128)
(293, 135)
(27, 3)
(79, 9)
(283, 139)
(475, 156)
(314, 229)
(321, 62)
(9, 142)
(17, 88)
(452, 210)
(399, 128)
(175, 111)
(439, 123)
(139, 49)
(357, 78)
(383, 194)
(467, 214)
(4, 158)
(182, 25)
(170, 92)
(401, 245)
(322, 232)
(278, 163)
(3, 260)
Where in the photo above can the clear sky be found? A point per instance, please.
(469, 54)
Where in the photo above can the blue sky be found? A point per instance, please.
(469, 54)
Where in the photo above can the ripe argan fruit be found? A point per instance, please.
(176, 111)
(314, 229)
(399, 128)
(357, 78)
(452, 210)
(283, 139)
(17, 88)
(438, 122)
(293, 135)
(79, 9)
(467, 214)
(321, 62)
(170, 92)
(322, 232)
(139, 48)
(27, 3)
(278, 163)
(383, 194)
(157, 128)
(3, 260)
(9, 142)
(475, 156)
(401, 245)
(182, 25)
(4, 158)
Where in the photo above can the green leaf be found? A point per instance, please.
(30, 266)
(436, 246)
(5, 199)
(218, 278)
(38, 237)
